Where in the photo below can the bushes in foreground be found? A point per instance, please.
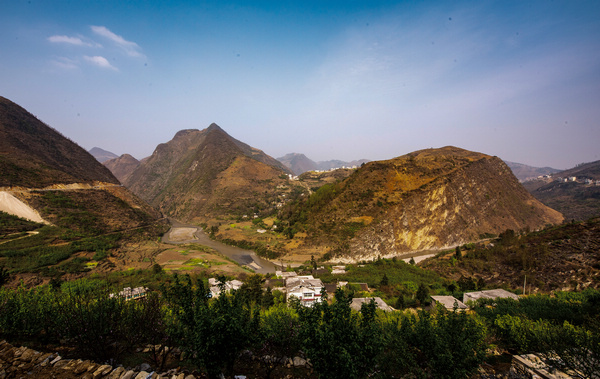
(214, 332)
(564, 329)
(340, 343)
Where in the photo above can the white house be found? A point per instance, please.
(305, 288)
(132, 293)
(215, 290)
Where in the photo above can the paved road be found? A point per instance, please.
(181, 233)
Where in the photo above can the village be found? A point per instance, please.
(307, 291)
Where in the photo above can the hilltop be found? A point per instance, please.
(122, 167)
(102, 155)
(204, 174)
(429, 199)
(34, 155)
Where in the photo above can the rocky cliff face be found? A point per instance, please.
(481, 197)
(429, 199)
(201, 174)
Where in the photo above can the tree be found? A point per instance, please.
(337, 342)
(400, 303)
(457, 253)
(422, 294)
(251, 290)
(213, 332)
(268, 300)
(453, 343)
(279, 337)
(384, 281)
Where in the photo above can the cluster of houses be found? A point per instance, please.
(338, 168)
(567, 179)
(308, 291)
(582, 180)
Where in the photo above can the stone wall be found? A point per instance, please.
(18, 362)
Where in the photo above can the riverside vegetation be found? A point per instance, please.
(254, 332)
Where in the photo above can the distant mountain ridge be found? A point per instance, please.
(577, 199)
(524, 172)
(206, 173)
(122, 167)
(300, 163)
(589, 170)
(34, 155)
(102, 155)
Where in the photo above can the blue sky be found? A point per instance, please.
(330, 79)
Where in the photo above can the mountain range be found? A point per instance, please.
(429, 199)
(300, 163)
(524, 172)
(122, 167)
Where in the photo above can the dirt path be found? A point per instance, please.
(184, 234)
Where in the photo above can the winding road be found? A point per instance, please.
(181, 233)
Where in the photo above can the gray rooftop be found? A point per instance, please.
(449, 301)
(488, 294)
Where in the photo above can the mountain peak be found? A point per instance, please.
(102, 155)
(214, 126)
(199, 174)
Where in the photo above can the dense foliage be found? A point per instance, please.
(10, 224)
(565, 328)
(557, 257)
(218, 334)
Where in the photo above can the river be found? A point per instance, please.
(181, 233)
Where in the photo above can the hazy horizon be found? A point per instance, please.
(331, 80)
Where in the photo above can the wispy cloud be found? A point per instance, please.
(70, 40)
(65, 63)
(100, 62)
(131, 48)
